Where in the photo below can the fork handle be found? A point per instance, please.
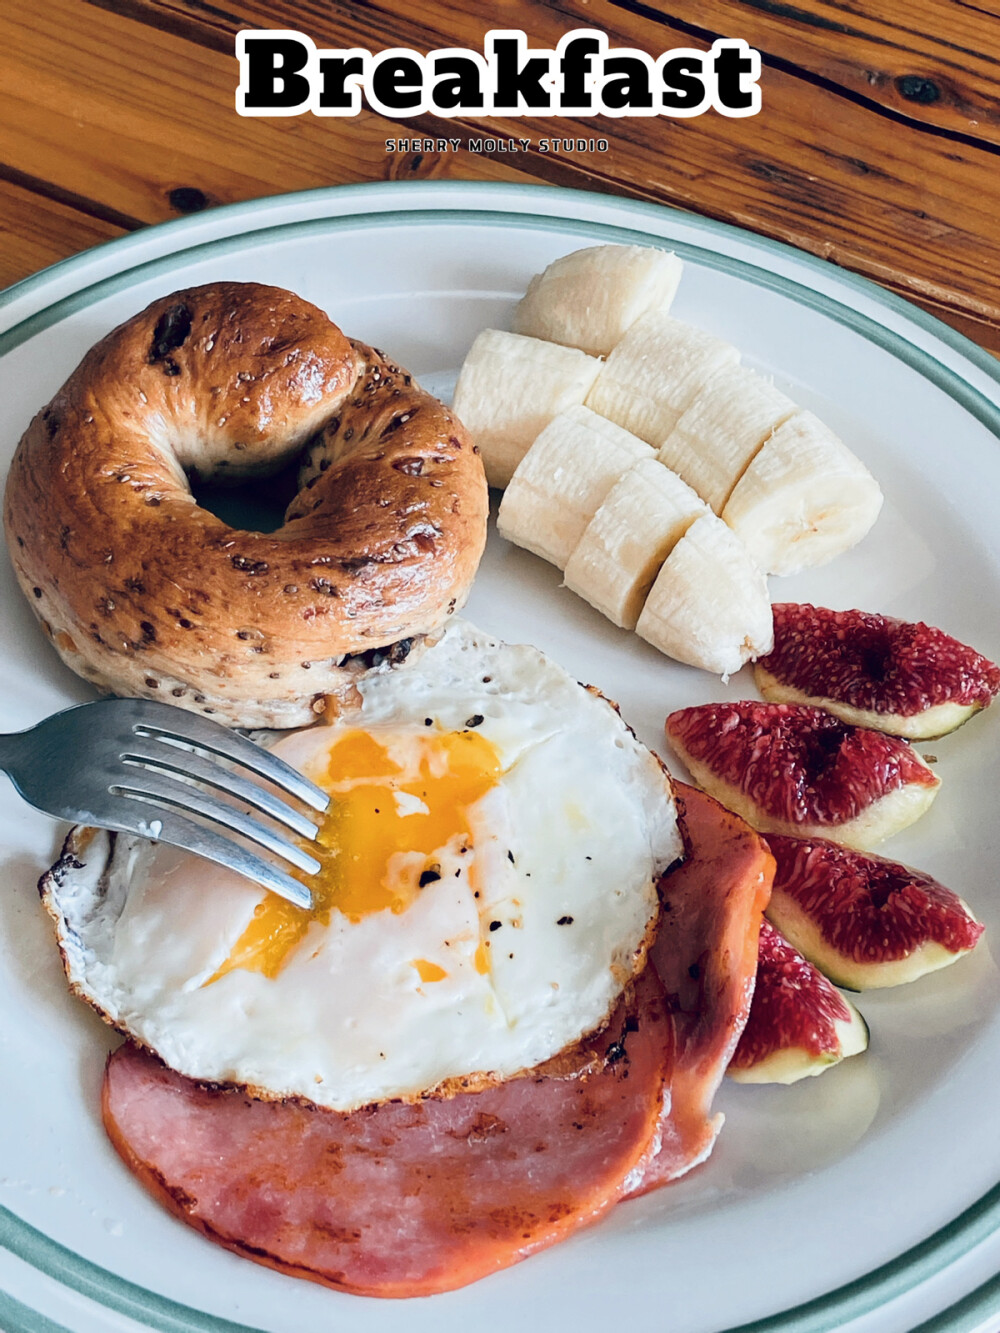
(11, 749)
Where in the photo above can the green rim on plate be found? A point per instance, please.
(253, 209)
(825, 1313)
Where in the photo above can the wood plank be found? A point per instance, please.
(903, 205)
(933, 61)
(36, 231)
(78, 109)
(980, 331)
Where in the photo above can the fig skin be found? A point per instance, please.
(799, 1024)
(798, 770)
(865, 921)
(904, 678)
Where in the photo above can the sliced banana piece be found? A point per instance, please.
(709, 606)
(591, 298)
(804, 499)
(654, 373)
(563, 479)
(510, 388)
(717, 436)
(645, 514)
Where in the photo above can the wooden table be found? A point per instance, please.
(877, 147)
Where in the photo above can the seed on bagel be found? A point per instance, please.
(223, 382)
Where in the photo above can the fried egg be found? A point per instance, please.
(488, 889)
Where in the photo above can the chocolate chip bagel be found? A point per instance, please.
(143, 592)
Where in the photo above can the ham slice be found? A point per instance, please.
(706, 957)
(402, 1199)
(412, 1199)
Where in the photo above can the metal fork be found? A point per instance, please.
(131, 765)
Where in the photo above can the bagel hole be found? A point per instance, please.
(256, 504)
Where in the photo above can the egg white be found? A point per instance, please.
(576, 831)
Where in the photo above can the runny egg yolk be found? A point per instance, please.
(393, 808)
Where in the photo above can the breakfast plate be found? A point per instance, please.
(867, 1199)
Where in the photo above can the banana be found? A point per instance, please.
(804, 499)
(645, 513)
(509, 389)
(562, 480)
(654, 373)
(718, 435)
(709, 606)
(589, 299)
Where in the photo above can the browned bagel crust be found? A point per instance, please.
(145, 593)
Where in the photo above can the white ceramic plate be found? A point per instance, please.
(866, 1199)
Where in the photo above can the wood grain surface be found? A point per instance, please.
(877, 148)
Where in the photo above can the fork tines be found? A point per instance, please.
(174, 755)
(188, 729)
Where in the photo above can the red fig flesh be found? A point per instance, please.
(791, 769)
(863, 920)
(873, 671)
(799, 1024)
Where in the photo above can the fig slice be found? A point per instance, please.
(864, 921)
(787, 768)
(799, 1023)
(907, 679)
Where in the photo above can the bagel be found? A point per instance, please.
(143, 592)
